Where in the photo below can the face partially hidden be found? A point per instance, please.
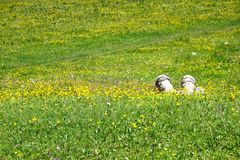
(165, 86)
(188, 87)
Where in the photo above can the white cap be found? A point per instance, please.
(161, 78)
(188, 78)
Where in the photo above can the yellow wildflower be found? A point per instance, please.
(134, 125)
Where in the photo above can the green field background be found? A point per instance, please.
(77, 79)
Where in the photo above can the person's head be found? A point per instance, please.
(188, 83)
(163, 83)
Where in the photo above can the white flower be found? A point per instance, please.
(194, 53)
(226, 43)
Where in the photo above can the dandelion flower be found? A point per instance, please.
(134, 125)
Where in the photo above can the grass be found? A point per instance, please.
(160, 127)
(77, 79)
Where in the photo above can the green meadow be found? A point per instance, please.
(77, 79)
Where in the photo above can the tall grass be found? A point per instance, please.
(77, 79)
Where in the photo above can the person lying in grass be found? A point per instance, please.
(188, 85)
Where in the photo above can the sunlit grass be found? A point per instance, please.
(77, 79)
